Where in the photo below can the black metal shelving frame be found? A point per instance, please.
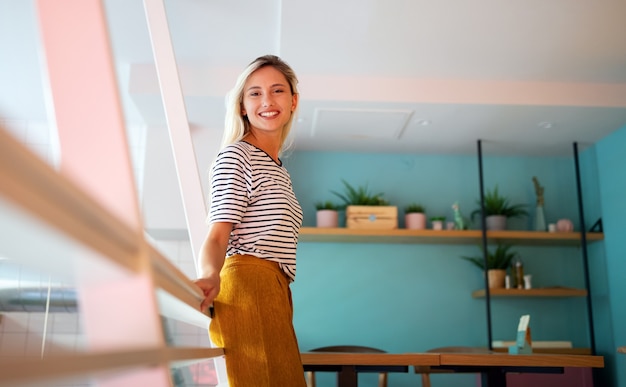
(583, 246)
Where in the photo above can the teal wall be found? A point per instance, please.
(612, 286)
(413, 297)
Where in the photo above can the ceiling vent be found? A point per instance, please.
(360, 123)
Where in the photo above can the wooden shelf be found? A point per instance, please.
(538, 292)
(350, 235)
(315, 234)
(539, 238)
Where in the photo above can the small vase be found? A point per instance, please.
(540, 219)
(327, 218)
(437, 224)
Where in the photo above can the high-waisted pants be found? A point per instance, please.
(253, 322)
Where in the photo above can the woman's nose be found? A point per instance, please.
(267, 100)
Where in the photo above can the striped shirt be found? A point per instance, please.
(250, 190)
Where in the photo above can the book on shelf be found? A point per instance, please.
(534, 344)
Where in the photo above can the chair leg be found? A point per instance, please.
(310, 379)
(382, 379)
(425, 380)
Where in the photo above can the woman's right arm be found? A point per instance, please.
(212, 255)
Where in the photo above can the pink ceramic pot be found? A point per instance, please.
(327, 218)
(415, 221)
(564, 225)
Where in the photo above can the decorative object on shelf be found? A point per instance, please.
(523, 344)
(459, 221)
(436, 222)
(365, 210)
(380, 217)
(528, 281)
(498, 210)
(498, 262)
(564, 225)
(552, 227)
(415, 217)
(450, 226)
(327, 214)
(518, 273)
(540, 219)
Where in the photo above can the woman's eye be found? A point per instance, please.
(254, 94)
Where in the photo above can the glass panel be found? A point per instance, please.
(22, 99)
(26, 330)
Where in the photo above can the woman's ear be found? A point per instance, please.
(294, 103)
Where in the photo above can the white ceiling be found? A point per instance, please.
(372, 72)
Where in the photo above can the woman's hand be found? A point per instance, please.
(210, 287)
(212, 254)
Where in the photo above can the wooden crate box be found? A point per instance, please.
(381, 217)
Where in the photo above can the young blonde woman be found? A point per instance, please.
(248, 258)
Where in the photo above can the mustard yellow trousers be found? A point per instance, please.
(253, 322)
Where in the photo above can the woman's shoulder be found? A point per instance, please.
(239, 149)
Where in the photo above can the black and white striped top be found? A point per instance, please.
(250, 190)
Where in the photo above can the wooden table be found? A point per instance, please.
(347, 364)
(493, 366)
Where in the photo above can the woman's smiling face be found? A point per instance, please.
(268, 101)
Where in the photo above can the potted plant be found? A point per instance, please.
(327, 214)
(366, 210)
(360, 196)
(498, 261)
(498, 210)
(414, 217)
(437, 222)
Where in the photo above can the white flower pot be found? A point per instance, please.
(437, 224)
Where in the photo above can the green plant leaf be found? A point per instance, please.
(414, 208)
(359, 196)
(496, 204)
(500, 258)
(327, 205)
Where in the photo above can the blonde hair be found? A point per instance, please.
(236, 126)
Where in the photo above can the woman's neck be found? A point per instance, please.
(269, 144)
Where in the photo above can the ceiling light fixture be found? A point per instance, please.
(423, 122)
